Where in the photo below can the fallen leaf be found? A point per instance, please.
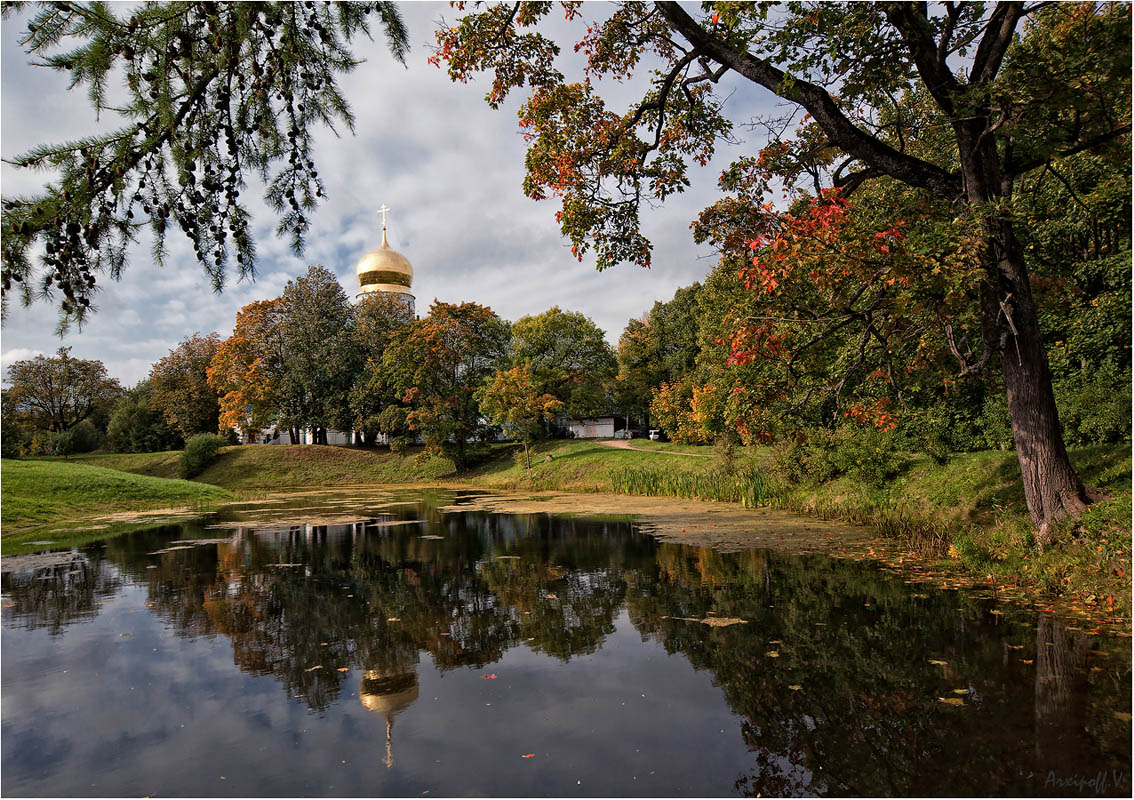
(960, 691)
(953, 701)
(772, 654)
(489, 677)
(1028, 660)
(1014, 646)
(317, 666)
(795, 687)
(393, 619)
(937, 662)
(528, 755)
(125, 634)
(344, 669)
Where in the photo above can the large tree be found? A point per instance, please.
(568, 357)
(437, 364)
(247, 370)
(58, 392)
(321, 357)
(378, 318)
(212, 94)
(179, 386)
(1015, 88)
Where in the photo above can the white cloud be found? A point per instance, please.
(449, 166)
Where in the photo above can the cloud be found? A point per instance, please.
(18, 354)
(449, 166)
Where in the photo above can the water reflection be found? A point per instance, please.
(844, 680)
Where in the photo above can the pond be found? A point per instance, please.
(406, 647)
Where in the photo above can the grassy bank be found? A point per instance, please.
(968, 512)
(41, 496)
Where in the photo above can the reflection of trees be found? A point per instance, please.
(301, 602)
(868, 719)
(54, 595)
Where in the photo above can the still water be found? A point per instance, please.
(422, 650)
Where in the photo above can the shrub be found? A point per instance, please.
(806, 457)
(200, 451)
(867, 454)
(85, 437)
(1094, 406)
(400, 444)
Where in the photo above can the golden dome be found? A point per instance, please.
(384, 270)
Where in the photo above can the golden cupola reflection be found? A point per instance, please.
(385, 270)
(387, 695)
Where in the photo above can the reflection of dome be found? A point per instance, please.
(387, 695)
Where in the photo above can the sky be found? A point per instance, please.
(450, 168)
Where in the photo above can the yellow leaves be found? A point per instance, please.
(795, 687)
(952, 701)
(937, 662)
(772, 654)
(1122, 715)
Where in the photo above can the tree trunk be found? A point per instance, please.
(1010, 327)
(293, 435)
(527, 457)
(1051, 487)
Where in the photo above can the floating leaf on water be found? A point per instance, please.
(772, 654)
(1028, 660)
(937, 662)
(344, 669)
(528, 755)
(795, 687)
(953, 701)
(393, 619)
(1122, 715)
(720, 622)
(551, 597)
(775, 641)
(960, 691)
(997, 612)
(430, 536)
(1014, 646)
(489, 677)
(125, 634)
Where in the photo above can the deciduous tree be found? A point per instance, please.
(1007, 88)
(568, 357)
(58, 392)
(511, 399)
(436, 365)
(321, 357)
(247, 370)
(179, 386)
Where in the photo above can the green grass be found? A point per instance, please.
(577, 465)
(39, 493)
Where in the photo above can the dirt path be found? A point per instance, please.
(623, 444)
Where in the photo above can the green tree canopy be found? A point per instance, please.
(179, 386)
(569, 358)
